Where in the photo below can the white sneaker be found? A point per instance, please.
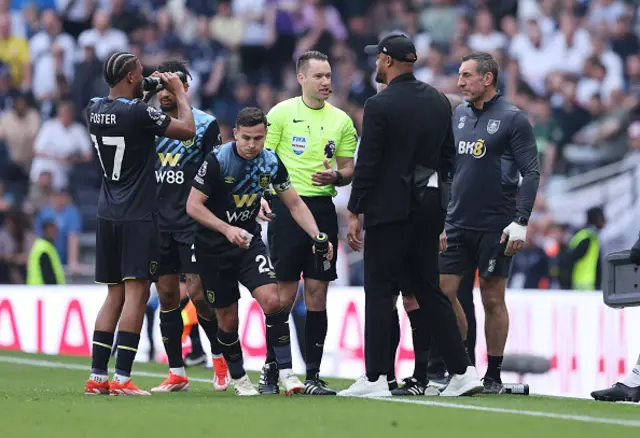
(463, 384)
(363, 388)
(290, 382)
(244, 387)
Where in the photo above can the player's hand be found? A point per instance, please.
(264, 214)
(515, 235)
(443, 241)
(238, 236)
(171, 82)
(325, 177)
(354, 232)
(329, 254)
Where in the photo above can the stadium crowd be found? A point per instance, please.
(572, 65)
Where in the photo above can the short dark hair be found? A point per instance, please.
(303, 62)
(174, 65)
(117, 66)
(251, 116)
(594, 214)
(485, 63)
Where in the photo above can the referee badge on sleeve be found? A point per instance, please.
(493, 126)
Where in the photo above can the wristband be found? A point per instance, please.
(339, 178)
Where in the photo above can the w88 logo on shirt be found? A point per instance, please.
(476, 148)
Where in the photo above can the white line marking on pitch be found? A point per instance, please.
(579, 418)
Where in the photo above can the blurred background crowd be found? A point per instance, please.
(572, 65)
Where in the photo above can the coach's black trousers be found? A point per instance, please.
(405, 254)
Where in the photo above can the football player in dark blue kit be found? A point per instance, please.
(123, 130)
(225, 200)
(176, 164)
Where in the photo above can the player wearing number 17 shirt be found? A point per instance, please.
(225, 200)
(123, 130)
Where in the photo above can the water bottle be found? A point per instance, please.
(321, 243)
(515, 389)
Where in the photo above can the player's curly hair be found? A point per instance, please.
(117, 66)
(174, 65)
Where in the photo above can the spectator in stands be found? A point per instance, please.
(604, 140)
(440, 20)
(76, 15)
(18, 129)
(530, 268)
(633, 75)
(45, 266)
(570, 117)
(40, 193)
(16, 239)
(88, 81)
(225, 27)
(124, 18)
(207, 59)
(103, 37)
(486, 38)
(60, 143)
(44, 47)
(624, 41)
(6, 87)
(585, 255)
(68, 221)
(559, 256)
(14, 52)
(321, 26)
(571, 44)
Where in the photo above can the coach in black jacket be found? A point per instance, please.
(405, 152)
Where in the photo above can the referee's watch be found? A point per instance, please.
(521, 220)
(339, 178)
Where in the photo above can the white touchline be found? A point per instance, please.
(70, 366)
(580, 418)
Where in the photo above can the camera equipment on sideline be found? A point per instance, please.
(620, 281)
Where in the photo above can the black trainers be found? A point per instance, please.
(269, 379)
(618, 392)
(491, 386)
(192, 360)
(393, 384)
(411, 386)
(317, 386)
(438, 381)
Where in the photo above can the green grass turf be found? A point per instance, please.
(37, 400)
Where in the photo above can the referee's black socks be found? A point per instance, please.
(232, 352)
(171, 327)
(421, 339)
(315, 332)
(279, 338)
(210, 327)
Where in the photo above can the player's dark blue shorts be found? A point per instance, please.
(471, 249)
(176, 253)
(291, 248)
(220, 272)
(127, 250)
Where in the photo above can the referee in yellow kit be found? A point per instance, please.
(316, 142)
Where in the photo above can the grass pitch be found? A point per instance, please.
(42, 396)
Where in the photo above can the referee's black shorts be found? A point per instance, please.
(468, 249)
(291, 248)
